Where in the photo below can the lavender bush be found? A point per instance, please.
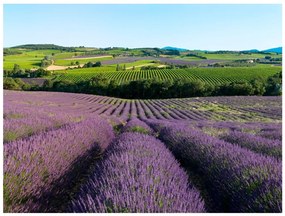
(26, 124)
(136, 125)
(240, 179)
(255, 143)
(138, 175)
(33, 165)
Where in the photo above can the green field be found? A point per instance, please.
(32, 58)
(67, 62)
(237, 56)
(28, 59)
(211, 76)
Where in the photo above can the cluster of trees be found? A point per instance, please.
(92, 64)
(18, 72)
(154, 89)
(120, 68)
(270, 60)
(196, 55)
(15, 84)
(46, 61)
(8, 51)
(171, 52)
(46, 46)
(75, 63)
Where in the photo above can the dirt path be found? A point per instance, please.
(161, 66)
(58, 67)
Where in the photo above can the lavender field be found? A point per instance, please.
(66, 152)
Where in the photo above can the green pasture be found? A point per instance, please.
(28, 59)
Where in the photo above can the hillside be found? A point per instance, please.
(275, 50)
(174, 48)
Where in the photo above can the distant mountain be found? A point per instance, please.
(174, 48)
(276, 50)
(44, 47)
(251, 51)
(38, 46)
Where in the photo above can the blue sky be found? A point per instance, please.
(205, 27)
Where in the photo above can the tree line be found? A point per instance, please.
(154, 88)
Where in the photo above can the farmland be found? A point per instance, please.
(158, 143)
(70, 66)
(142, 108)
(66, 152)
(29, 58)
(211, 76)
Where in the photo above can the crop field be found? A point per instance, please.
(32, 58)
(67, 62)
(66, 152)
(212, 76)
(27, 60)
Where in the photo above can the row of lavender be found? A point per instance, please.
(245, 178)
(34, 167)
(27, 114)
(262, 138)
(245, 109)
(23, 122)
(138, 174)
(186, 109)
(237, 179)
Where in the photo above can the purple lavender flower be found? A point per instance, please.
(246, 181)
(138, 175)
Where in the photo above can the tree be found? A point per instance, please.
(9, 83)
(193, 88)
(97, 64)
(47, 58)
(274, 85)
(47, 85)
(88, 64)
(16, 68)
(236, 88)
(258, 86)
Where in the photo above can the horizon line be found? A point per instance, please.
(141, 47)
